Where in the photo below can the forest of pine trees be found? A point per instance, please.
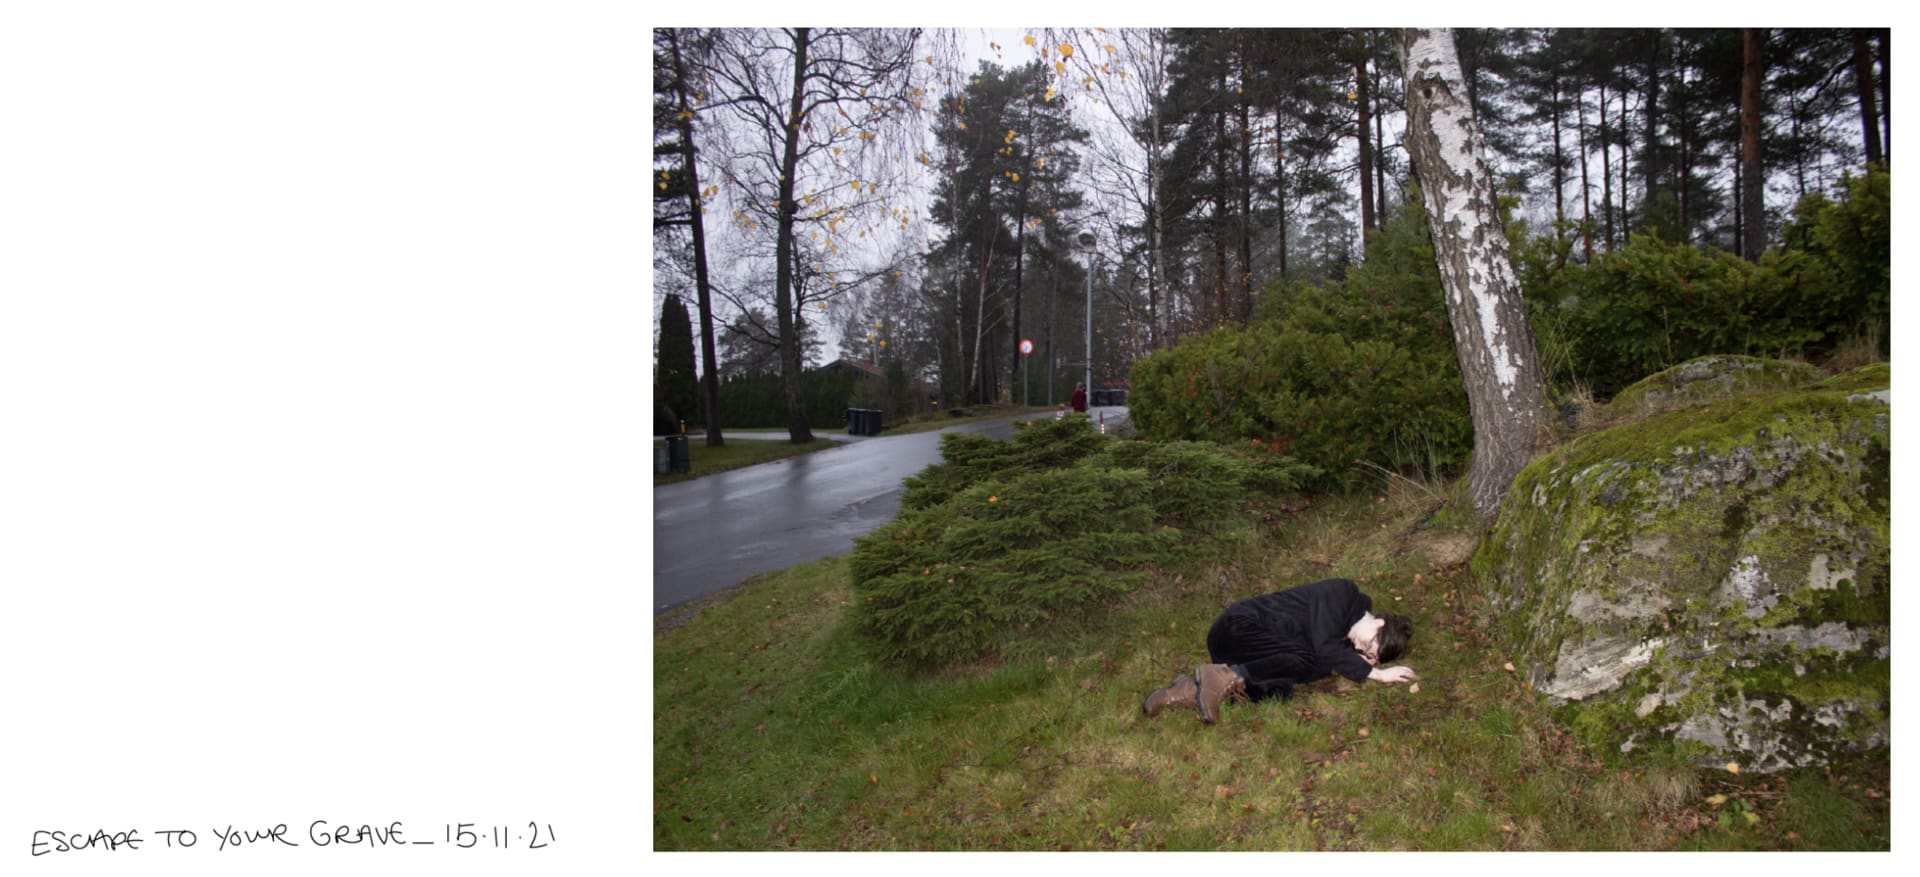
(1214, 167)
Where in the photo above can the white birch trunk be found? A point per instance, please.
(1498, 361)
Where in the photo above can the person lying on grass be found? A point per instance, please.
(1262, 646)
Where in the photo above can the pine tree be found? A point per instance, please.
(678, 389)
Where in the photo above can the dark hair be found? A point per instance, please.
(1394, 636)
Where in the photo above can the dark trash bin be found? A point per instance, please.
(863, 421)
(678, 457)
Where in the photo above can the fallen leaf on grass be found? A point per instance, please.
(1733, 767)
(1414, 688)
(1509, 667)
(1717, 800)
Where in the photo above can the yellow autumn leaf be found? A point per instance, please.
(1717, 800)
(1066, 51)
(1029, 39)
(1733, 767)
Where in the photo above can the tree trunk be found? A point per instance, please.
(1222, 224)
(1626, 143)
(1280, 191)
(709, 363)
(1157, 269)
(790, 354)
(1606, 176)
(1361, 102)
(1559, 171)
(1498, 362)
(1753, 214)
(1019, 280)
(1586, 185)
(1886, 95)
(1651, 161)
(1246, 214)
(1379, 154)
(1863, 84)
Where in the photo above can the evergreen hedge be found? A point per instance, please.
(1007, 544)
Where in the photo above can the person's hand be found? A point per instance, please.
(1393, 674)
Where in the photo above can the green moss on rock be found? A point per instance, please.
(1715, 576)
(1711, 378)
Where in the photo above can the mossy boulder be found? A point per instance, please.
(1717, 575)
(1710, 378)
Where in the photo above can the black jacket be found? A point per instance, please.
(1317, 618)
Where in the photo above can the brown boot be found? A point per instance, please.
(1181, 692)
(1217, 683)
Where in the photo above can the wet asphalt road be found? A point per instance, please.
(714, 531)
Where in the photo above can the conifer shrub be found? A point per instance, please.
(1006, 545)
(760, 400)
(1655, 304)
(969, 458)
(1339, 375)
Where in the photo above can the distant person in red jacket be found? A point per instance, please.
(1263, 645)
(1080, 398)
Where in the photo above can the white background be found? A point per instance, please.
(322, 482)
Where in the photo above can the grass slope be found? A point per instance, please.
(772, 732)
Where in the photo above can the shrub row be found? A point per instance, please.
(1010, 543)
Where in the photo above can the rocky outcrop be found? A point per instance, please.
(1716, 575)
(1708, 379)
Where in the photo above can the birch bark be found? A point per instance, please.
(1498, 361)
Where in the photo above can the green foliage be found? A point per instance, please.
(679, 392)
(1358, 371)
(1192, 484)
(1852, 239)
(971, 458)
(759, 400)
(1020, 540)
(1656, 304)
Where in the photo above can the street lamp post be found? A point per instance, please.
(1086, 241)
